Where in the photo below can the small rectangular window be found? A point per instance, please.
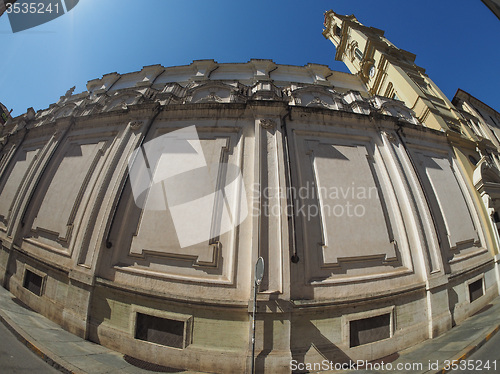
(358, 54)
(164, 331)
(369, 330)
(475, 290)
(33, 282)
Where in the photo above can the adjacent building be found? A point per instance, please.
(494, 6)
(4, 4)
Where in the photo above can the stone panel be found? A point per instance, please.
(157, 232)
(353, 219)
(55, 218)
(356, 231)
(12, 181)
(461, 230)
(56, 209)
(145, 240)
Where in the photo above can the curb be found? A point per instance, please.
(49, 357)
(467, 352)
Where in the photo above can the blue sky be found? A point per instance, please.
(455, 41)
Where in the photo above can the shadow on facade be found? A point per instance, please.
(314, 340)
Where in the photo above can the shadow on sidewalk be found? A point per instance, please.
(21, 304)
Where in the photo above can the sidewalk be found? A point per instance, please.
(71, 354)
(457, 344)
(66, 352)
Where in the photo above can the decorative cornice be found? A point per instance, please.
(268, 124)
(237, 90)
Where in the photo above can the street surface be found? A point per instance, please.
(16, 358)
(485, 360)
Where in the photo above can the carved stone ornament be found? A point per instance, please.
(390, 136)
(317, 101)
(268, 124)
(135, 125)
(70, 91)
(212, 96)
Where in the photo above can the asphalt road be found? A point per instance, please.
(486, 360)
(16, 358)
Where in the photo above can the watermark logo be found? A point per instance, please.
(347, 201)
(26, 14)
(170, 173)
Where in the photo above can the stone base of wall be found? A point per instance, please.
(218, 338)
(61, 299)
(4, 260)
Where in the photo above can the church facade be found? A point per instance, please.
(370, 197)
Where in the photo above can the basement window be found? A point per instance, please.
(475, 290)
(369, 330)
(164, 331)
(33, 282)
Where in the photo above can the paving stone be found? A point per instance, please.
(64, 349)
(91, 348)
(42, 334)
(89, 365)
(111, 360)
(453, 346)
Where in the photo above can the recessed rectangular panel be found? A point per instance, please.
(353, 218)
(181, 207)
(184, 211)
(64, 192)
(12, 181)
(450, 197)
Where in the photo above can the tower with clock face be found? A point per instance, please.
(390, 71)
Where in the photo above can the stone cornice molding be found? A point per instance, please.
(128, 95)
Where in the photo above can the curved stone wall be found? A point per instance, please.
(371, 237)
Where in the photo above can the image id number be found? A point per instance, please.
(32, 8)
(470, 365)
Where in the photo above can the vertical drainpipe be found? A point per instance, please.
(291, 216)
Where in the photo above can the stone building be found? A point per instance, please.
(4, 4)
(4, 114)
(373, 233)
(494, 6)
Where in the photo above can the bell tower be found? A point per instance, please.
(389, 71)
